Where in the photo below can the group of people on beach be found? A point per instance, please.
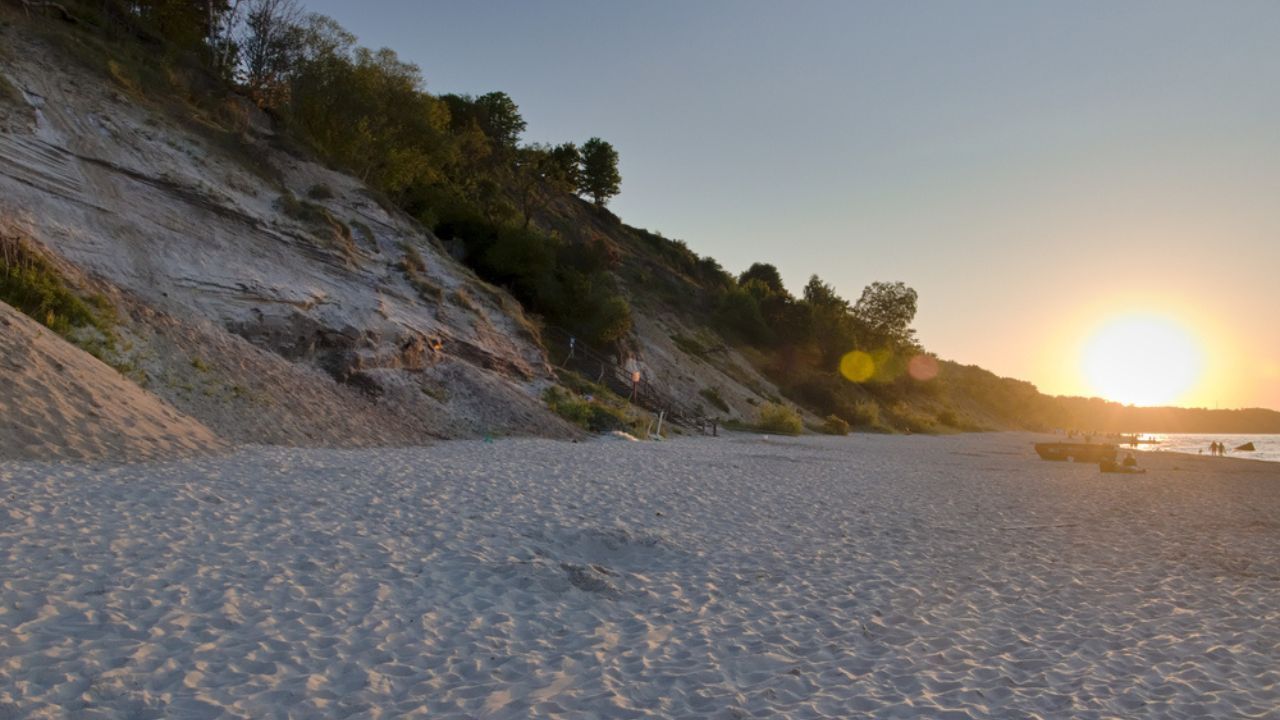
(1217, 448)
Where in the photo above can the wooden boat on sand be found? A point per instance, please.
(1079, 452)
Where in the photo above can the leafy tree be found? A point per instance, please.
(501, 119)
(270, 43)
(600, 177)
(542, 172)
(566, 161)
(885, 311)
(821, 296)
(766, 274)
(182, 25)
(365, 111)
(738, 312)
(830, 322)
(495, 114)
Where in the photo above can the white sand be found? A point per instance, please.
(871, 576)
(57, 401)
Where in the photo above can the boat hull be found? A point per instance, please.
(1079, 452)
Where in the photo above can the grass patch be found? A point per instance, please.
(906, 419)
(330, 229)
(866, 414)
(712, 395)
(124, 77)
(772, 418)
(320, 191)
(594, 407)
(688, 345)
(778, 418)
(834, 425)
(30, 282)
(591, 415)
(581, 385)
(413, 267)
(8, 92)
(462, 299)
(439, 394)
(412, 261)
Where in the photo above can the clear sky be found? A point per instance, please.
(1031, 168)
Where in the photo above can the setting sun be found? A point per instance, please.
(1142, 359)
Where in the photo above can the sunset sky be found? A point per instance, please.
(1034, 170)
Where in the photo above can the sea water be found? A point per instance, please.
(1268, 446)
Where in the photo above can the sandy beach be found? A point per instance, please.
(869, 576)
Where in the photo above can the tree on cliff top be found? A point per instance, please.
(600, 177)
(886, 310)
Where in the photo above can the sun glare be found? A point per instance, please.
(1142, 360)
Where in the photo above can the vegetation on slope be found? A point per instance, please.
(511, 211)
(31, 283)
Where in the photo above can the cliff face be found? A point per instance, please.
(222, 250)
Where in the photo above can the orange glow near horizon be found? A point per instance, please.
(1142, 359)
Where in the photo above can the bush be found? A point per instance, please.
(778, 418)
(688, 344)
(590, 415)
(907, 419)
(34, 286)
(948, 418)
(320, 191)
(835, 425)
(866, 414)
(712, 395)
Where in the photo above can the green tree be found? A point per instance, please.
(600, 177)
(270, 43)
(830, 322)
(885, 312)
(766, 274)
(366, 111)
(542, 172)
(567, 166)
(495, 114)
(500, 119)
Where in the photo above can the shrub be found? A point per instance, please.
(948, 418)
(835, 425)
(712, 395)
(778, 418)
(30, 282)
(331, 230)
(866, 414)
(320, 191)
(8, 92)
(412, 262)
(688, 344)
(579, 384)
(589, 415)
(907, 419)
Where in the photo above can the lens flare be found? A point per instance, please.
(857, 366)
(1142, 359)
(922, 368)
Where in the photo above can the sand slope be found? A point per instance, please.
(869, 576)
(57, 401)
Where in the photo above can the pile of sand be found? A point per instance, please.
(59, 402)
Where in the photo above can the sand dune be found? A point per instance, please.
(56, 401)
(863, 577)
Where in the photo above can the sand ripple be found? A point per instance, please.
(877, 577)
